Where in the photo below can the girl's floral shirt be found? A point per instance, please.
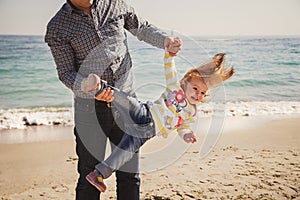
(172, 112)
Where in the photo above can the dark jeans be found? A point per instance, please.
(94, 123)
(139, 127)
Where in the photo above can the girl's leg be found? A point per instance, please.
(122, 153)
(134, 114)
(139, 127)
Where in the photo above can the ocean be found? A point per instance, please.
(266, 81)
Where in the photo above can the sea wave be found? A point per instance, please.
(43, 116)
(251, 108)
(52, 116)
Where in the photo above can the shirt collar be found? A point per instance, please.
(69, 7)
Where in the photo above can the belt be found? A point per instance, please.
(93, 102)
(108, 104)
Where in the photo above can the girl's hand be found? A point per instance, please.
(189, 137)
(172, 45)
(90, 83)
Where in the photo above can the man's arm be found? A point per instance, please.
(143, 30)
(64, 59)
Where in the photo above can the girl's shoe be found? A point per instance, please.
(96, 179)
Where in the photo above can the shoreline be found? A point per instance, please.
(47, 133)
(256, 162)
(36, 134)
(22, 118)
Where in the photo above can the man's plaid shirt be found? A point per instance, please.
(82, 44)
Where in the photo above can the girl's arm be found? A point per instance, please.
(185, 132)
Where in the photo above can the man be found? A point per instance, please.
(88, 36)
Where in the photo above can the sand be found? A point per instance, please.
(261, 162)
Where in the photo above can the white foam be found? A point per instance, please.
(21, 118)
(251, 108)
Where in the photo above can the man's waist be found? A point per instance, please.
(89, 102)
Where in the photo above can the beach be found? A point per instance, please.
(258, 162)
(248, 134)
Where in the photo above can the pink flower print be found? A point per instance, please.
(180, 96)
(179, 122)
(169, 103)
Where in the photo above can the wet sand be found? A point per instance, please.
(260, 162)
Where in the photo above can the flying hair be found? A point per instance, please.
(212, 73)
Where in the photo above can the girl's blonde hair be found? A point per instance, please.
(212, 73)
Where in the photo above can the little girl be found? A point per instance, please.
(174, 110)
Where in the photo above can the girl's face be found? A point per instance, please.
(195, 91)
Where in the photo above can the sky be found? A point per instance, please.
(189, 17)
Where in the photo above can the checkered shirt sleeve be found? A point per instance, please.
(82, 44)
